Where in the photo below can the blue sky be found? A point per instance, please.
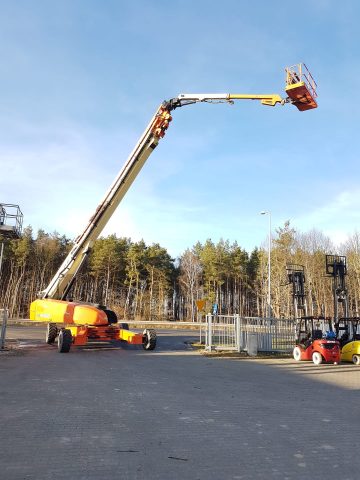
(81, 79)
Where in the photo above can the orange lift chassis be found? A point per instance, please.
(77, 323)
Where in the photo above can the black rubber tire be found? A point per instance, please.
(149, 339)
(356, 359)
(317, 358)
(297, 354)
(64, 341)
(51, 333)
(111, 316)
(124, 326)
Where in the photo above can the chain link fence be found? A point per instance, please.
(249, 334)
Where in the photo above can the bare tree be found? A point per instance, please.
(191, 270)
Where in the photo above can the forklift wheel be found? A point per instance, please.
(51, 333)
(356, 359)
(317, 358)
(149, 341)
(297, 354)
(64, 341)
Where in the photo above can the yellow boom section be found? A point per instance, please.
(270, 100)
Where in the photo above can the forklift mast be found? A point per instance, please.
(296, 278)
(336, 269)
(300, 92)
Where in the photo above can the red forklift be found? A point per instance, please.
(315, 342)
(315, 339)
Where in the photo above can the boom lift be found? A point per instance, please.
(79, 322)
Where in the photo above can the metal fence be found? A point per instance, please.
(249, 334)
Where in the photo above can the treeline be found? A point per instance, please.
(141, 281)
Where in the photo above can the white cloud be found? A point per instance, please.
(338, 218)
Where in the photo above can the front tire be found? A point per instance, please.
(149, 339)
(64, 341)
(317, 358)
(297, 354)
(51, 333)
(356, 359)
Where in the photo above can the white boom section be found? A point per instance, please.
(64, 277)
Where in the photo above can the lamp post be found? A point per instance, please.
(269, 264)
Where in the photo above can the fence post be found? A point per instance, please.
(3, 328)
(206, 332)
(200, 320)
(209, 332)
(237, 333)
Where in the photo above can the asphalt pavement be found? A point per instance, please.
(123, 413)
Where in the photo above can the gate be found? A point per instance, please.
(235, 333)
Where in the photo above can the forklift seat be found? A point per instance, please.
(317, 334)
(344, 337)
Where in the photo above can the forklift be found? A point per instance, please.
(315, 339)
(347, 328)
(348, 333)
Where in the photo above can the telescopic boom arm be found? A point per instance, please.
(189, 98)
(61, 283)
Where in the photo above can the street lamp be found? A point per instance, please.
(269, 264)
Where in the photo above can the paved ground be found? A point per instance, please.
(173, 414)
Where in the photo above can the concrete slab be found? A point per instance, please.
(173, 414)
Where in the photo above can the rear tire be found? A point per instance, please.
(297, 354)
(149, 339)
(317, 358)
(356, 359)
(51, 333)
(64, 341)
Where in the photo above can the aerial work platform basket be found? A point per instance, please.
(11, 219)
(301, 87)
